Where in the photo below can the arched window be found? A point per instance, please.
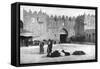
(21, 24)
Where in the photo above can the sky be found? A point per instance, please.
(57, 11)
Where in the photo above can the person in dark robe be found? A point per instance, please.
(41, 47)
(49, 49)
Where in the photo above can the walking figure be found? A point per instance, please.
(49, 49)
(41, 47)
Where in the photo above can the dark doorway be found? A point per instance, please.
(63, 38)
(24, 41)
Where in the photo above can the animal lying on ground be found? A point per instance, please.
(58, 53)
(66, 53)
(78, 53)
(55, 54)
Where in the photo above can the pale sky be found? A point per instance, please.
(57, 11)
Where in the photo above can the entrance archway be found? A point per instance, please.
(63, 37)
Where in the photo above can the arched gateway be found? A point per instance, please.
(63, 37)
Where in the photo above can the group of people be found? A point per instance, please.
(49, 48)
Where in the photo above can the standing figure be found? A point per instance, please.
(41, 47)
(49, 49)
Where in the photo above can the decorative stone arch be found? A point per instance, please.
(65, 30)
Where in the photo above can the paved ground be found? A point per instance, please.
(31, 54)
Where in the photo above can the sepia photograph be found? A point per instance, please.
(56, 34)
